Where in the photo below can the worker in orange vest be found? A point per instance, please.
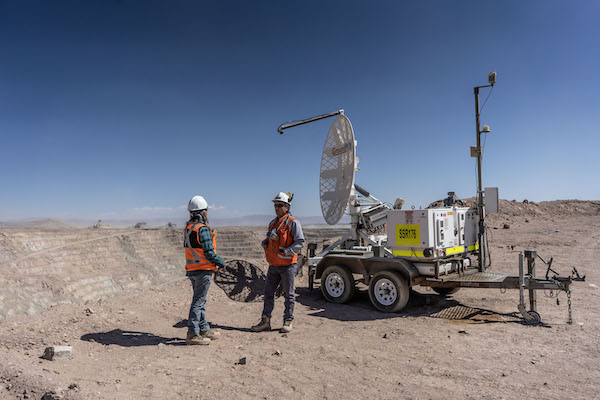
(201, 261)
(282, 245)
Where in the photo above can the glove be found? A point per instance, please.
(288, 252)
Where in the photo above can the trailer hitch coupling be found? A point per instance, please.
(576, 277)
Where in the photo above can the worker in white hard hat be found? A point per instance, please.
(201, 261)
(283, 243)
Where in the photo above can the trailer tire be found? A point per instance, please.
(445, 291)
(532, 318)
(337, 284)
(389, 291)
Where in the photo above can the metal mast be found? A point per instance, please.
(480, 199)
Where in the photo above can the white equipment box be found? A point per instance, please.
(432, 234)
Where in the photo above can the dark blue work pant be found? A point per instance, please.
(284, 275)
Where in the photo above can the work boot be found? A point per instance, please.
(192, 339)
(263, 325)
(287, 327)
(212, 335)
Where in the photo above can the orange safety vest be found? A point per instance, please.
(194, 256)
(282, 240)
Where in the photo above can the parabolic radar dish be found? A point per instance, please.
(337, 170)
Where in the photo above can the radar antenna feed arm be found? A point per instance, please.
(365, 193)
(361, 191)
(287, 125)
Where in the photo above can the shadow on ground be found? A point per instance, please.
(419, 305)
(183, 324)
(130, 339)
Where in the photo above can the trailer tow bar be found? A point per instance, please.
(574, 277)
(530, 282)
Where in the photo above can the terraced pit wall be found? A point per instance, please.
(42, 268)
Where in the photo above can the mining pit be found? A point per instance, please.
(119, 297)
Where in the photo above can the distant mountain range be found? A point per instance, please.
(44, 223)
(248, 220)
(513, 207)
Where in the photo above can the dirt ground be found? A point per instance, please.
(470, 345)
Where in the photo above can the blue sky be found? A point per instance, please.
(126, 109)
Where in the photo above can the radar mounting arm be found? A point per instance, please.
(291, 124)
(366, 194)
(338, 192)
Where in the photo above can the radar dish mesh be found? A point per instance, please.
(337, 170)
(241, 281)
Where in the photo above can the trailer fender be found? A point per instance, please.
(403, 267)
(368, 267)
(355, 265)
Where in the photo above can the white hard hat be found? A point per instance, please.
(284, 198)
(197, 203)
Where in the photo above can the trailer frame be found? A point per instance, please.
(367, 265)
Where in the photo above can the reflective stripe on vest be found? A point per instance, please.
(188, 244)
(281, 255)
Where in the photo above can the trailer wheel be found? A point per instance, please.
(389, 291)
(337, 284)
(445, 291)
(532, 318)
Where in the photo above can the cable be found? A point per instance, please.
(480, 110)
(486, 99)
(483, 160)
(476, 183)
(487, 245)
(483, 146)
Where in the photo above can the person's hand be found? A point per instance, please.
(264, 245)
(221, 269)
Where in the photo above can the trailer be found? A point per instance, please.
(389, 279)
(391, 250)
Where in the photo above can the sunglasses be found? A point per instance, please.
(279, 205)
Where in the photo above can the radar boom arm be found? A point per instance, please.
(306, 121)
